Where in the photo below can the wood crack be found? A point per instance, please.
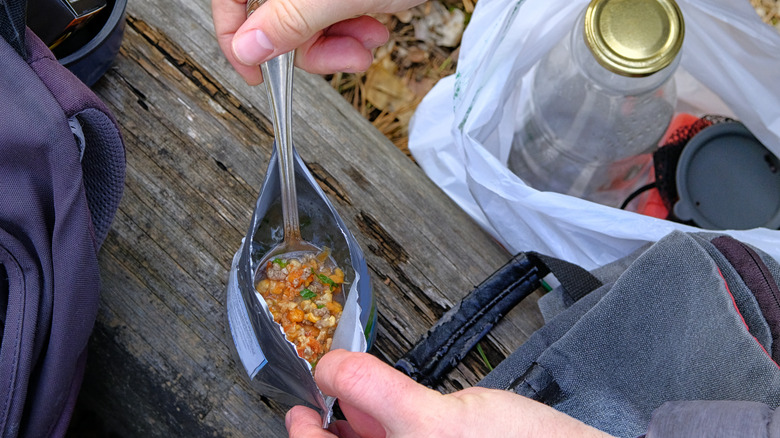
(386, 246)
(328, 183)
(198, 75)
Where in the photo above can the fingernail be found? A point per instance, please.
(252, 48)
(371, 44)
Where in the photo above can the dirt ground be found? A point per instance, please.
(423, 48)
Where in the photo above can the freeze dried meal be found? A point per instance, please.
(300, 295)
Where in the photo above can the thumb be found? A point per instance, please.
(374, 395)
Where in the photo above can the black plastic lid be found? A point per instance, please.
(727, 179)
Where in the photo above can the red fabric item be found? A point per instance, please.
(681, 129)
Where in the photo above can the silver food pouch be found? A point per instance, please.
(269, 360)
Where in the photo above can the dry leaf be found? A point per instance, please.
(416, 55)
(405, 16)
(384, 90)
(440, 26)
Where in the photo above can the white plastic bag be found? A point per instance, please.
(462, 131)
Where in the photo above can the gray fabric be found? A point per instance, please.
(714, 419)
(555, 301)
(668, 328)
(506, 372)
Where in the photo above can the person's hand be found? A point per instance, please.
(330, 36)
(379, 401)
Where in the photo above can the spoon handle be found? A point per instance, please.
(278, 77)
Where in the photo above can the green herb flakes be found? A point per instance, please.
(326, 280)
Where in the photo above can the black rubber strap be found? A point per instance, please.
(459, 330)
(13, 19)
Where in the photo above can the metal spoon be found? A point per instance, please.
(278, 77)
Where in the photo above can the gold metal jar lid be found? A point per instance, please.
(634, 37)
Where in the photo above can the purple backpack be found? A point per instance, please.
(62, 169)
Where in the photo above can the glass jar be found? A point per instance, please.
(600, 101)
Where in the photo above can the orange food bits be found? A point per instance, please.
(304, 308)
(295, 315)
(276, 288)
(338, 276)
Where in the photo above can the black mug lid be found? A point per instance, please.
(727, 179)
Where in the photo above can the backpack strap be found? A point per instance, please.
(95, 129)
(21, 284)
(13, 17)
(575, 280)
(759, 279)
(463, 326)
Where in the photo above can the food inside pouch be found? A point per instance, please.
(304, 294)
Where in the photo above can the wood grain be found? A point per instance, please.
(198, 141)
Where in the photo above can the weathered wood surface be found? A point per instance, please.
(198, 142)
